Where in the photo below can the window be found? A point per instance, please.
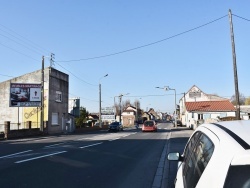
(199, 152)
(200, 116)
(58, 96)
(54, 119)
(238, 176)
(190, 144)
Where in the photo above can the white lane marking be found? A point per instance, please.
(15, 154)
(114, 139)
(82, 138)
(42, 139)
(91, 145)
(53, 145)
(40, 157)
(106, 137)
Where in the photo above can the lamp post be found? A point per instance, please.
(100, 102)
(166, 88)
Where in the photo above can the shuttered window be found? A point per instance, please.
(54, 119)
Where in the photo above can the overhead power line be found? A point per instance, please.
(18, 52)
(146, 45)
(241, 17)
(22, 39)
(76, 76)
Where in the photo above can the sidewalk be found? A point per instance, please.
(176, 143)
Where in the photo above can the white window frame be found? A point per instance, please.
(58, 96)
(54, 118)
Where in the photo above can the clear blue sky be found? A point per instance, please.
(85, 29)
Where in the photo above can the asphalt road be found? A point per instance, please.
(102, 159)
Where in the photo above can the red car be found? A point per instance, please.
(149, 125)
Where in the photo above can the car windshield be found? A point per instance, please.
(149, 123)
(238, 176)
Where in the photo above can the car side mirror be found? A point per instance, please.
(175, 157)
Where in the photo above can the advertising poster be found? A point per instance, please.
(25, 95)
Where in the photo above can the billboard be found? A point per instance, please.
(25, 95)
(108, 111)
(108, 114)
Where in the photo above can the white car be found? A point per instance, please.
(216, 155)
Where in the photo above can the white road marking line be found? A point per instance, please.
(40, 157)
(91, 145)
(15, 154)
(114, 139)
(82, 138)
(42, 139)
(53, 145)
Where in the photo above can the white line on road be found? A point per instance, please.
(82, 138)
(15, 154)
(91, 145)
(53, 145)
(40, 157)
(114, 139)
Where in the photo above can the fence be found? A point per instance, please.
(24, 125)
(17, 130)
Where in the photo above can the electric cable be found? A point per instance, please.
(146, 45)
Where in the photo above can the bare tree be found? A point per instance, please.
(126, 103)
(137, 104)
(247, 101)
(242, 99)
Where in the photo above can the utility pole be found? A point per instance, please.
(100, 101)
(235, 68)
(120, 117)
(100, 106)
(42, 96)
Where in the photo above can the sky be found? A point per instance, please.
(140, 44)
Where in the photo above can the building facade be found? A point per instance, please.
(55, 99)
(197, 107)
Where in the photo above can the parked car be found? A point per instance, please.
(179, 123)
(149, 125)
(98, 124)
(216, 155)
(115, 126)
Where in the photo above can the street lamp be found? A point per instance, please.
(166, 88)
(100, 102)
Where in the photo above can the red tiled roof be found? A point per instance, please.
(210, 106)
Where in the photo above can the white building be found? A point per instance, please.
(197, 107)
